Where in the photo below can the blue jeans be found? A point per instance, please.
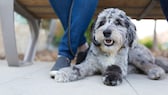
(164, 5)
(77, 14)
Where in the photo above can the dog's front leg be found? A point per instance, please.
(86, 68)
(112, 75)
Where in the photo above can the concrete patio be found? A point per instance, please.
(34, 80)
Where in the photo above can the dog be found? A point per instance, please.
(113, 50)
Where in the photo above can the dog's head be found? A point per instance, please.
(113, 30)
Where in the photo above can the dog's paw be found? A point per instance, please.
(156, 73)
(112, 79)
(61, 76)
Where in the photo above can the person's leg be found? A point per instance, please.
(78, 16)
(82, 12)
(62, 9)
(164, 5)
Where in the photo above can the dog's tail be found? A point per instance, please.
(162, 62)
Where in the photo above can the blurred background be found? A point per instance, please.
(48, 51)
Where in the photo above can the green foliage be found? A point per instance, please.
(88, 32)
(57, 38)
(45, 23)
(148, 42)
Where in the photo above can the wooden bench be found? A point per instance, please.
(34, 10)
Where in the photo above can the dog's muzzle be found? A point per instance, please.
(108, 41)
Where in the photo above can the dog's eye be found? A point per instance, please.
(101, 23)
(118, 22)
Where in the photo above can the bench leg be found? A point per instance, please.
(34, 28)
(7, 22)
(51, 34)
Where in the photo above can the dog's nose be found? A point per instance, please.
(107, 33)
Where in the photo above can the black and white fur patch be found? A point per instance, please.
(112, 76)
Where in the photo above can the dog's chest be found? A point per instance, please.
(106, 61)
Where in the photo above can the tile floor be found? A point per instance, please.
(34, 80)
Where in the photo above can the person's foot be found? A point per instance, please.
(61, 62)
(82, 53)
(81, 56)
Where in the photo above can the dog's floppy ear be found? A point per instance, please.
(131, 32)
(92, 34)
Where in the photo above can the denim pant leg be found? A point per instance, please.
(62, 9)
(82, 12)
(164, 5)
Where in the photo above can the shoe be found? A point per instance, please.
(61, 62)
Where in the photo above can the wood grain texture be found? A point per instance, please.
(133, 8)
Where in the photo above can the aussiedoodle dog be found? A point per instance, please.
(114, 46)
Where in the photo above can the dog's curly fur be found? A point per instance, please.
(114, 45)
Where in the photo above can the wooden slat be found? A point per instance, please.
(132, 12)
(123, 3)
(133, 8)
(40, 10)
(47, 16)
(156, 11)
(34, 2)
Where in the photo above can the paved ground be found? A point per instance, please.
(34, 80)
